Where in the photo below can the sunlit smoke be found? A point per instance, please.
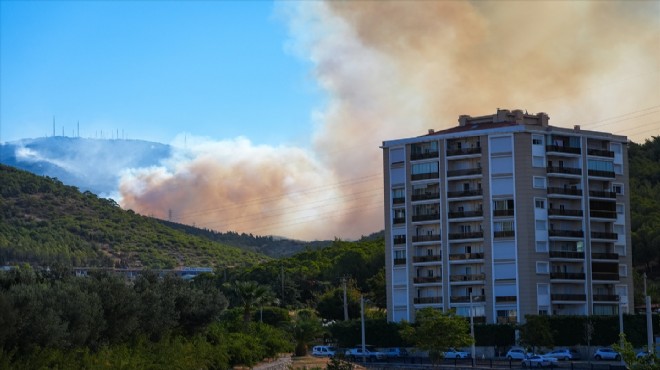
(394, 69)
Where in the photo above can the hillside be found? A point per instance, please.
(44, 221)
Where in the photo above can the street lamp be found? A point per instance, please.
(472, 330)
(364, 358)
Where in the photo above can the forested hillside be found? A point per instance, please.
(45, 222)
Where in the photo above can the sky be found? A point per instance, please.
(278, 109)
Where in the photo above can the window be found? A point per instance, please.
(503, 204)
(420, 168)
(399, 254)
(620, 208)
(539, 203)
(537, 161)
(597, 165)
(623, 270)
(542, 289)
(541, 225)
(541, 246)
(539, 182)
(617, 188)
(503, 226)
(537, 140)
(543, 310)
(542, 268)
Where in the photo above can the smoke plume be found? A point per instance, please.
(394, 69)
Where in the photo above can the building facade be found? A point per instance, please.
(505, 216)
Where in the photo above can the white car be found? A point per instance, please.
(454, 353)
(323, 351)
(516, 354)
(607, 353)
(564, 354)
(370, 353)
(539, 361)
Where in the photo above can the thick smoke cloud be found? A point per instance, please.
(395, 69)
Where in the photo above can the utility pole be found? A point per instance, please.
(649, 321)
(343, 280)
(472, 348)
(364, 347)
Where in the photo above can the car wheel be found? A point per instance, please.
(509, 358)
(618, 358)
(597, 357)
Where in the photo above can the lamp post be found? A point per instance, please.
(623, 301)
(364, 359)
(649, 322)
(472, 330)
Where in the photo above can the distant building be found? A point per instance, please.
(511, 214)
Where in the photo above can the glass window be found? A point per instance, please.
(542, 267)
(539, 182)
(537, 140)
(597, 165)
(541, 246)
(617, 188)
(503, 226)
(430, 167)
(539, 203)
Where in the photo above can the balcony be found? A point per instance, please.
(469, 277)
(601, 153)
(564, 170)
(425, 196)
(399, 220)
(466, 298)
(467, 235)
(399, 239)
(399, 261)
(424, 155)
(398, 200)
(562, 149)
(425, 238)
(466, 256)
(427, 279)
(429, 217)
(602, 194)
(569, 297)
(464, 193)
(605, 276)
(421, 259)
(504, 234)
(565, 191)
(605, 256)
(427, 300)
(606, 298)
(464, 172)
(503, 212)
(565, 212)
(600, 173)
(567, 275)
(424, 176)
(567, 254)
(604, 235)
(463, 151)
(506, 299)
(566, 233)
(464, 214)
(603, 214)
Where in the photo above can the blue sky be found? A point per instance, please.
(152, 70)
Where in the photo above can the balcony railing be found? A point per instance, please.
(504, 234)
(566, 254)
(427, 300)
(609, 276)
(469, 277)
(601, 152)
(565, 191)
(427, 279)
(398, 200)
(428, 217)
(463, 151)
(464, 172)
(399, 220)
(605, 256)
(503, 212)
(400, 239)
(419, 259)
(425, 196)
(567, 275)
(606, 297)
(565, 212)
(464, 214)
(602, 194)
(569, 297)
(602, 214)
(424, 155)
(466, 256)
(566, 170)
(562, 149)
(466, 298)
(600, 173)
(507, 298)
(424, 176)
(399, 261)
(604, 235)
(425, 238)
(464, 193)
(566, 233)
(470, 235)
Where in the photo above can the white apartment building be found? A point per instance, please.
(506, 216)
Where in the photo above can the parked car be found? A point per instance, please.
(454, 353)
(564, 354)
(370, 353)
(516, 354)
(324, 351)
(606, 353)
(539, 361)
(395, 352)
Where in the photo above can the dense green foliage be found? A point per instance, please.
(45, 222)
(436, 332)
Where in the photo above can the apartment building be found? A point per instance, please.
(505, 216)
